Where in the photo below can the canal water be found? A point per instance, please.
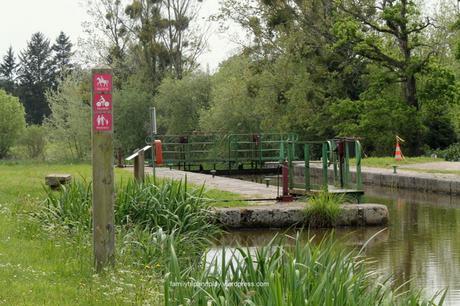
(420, 244)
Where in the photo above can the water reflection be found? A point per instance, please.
(421, 243)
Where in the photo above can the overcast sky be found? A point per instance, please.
(21, 18)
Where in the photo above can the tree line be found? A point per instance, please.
(371, 69)
(38, 68)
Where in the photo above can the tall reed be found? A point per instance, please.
(277, 275)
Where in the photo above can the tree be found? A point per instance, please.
(108, 38)
(70, 121)
(232, 108)
(34, 141)
(12, 121)
(62, 55)
(179, 102)
(8, 69)
(166, 43)
(131, 115)
(36, 75)
(389, 33)
(297, 69)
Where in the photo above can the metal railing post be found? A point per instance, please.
(347, 165)
(359, 180)
(325, 180)
(306, 172)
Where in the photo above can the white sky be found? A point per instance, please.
(19, 19)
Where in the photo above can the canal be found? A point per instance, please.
(421, 244)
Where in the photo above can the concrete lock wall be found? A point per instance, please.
(283, 215)
(413, 181)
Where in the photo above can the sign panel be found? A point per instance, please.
(102, 82)
(102, 102)
(102, 122)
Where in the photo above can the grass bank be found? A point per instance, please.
(388, 162)
(45, 252)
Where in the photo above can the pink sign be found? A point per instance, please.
(102, 102)
(102, 82)
(102, 122)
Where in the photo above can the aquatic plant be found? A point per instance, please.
(323, 209)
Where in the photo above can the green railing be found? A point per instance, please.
(243, 151)
(228, 151)
(333, 154)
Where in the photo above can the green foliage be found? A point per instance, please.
(8, 69)
(62, 49)
(12, 122)
(232, 108)
(70, 207)
(34, 141)
(131, 114)
(323, 209)
(169, 206)
(36, 75)
(179, 103)
(69, 124)
(304, 274)
(377, 121)
(452, 153)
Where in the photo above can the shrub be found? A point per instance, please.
(452, 153)
(12, 121)
(34, 141)
(323, 209)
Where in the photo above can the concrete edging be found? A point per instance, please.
(287, 215)
(412, 181)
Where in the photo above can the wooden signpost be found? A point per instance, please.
(102, 162)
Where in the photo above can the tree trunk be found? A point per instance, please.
(410, 91)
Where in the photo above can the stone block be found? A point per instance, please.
(56, 180)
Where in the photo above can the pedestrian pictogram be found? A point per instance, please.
(102, 82)
(102, 102)
(102, 121)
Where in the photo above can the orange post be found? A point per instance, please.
(158, 152)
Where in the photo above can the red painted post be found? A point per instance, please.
(286, 197)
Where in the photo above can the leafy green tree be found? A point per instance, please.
(8, 69)
(179, 102)
(131, 114)
(69, 124)
(63, 53)
(34, 141)
(36, 75)
(232, 106)
(439, 94)
(298, 69)
(390, 34)
(12, 122)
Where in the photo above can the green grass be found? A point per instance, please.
(42, 268)
(388, 162)
(323, 209)
(49, 267)
(50, 264)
